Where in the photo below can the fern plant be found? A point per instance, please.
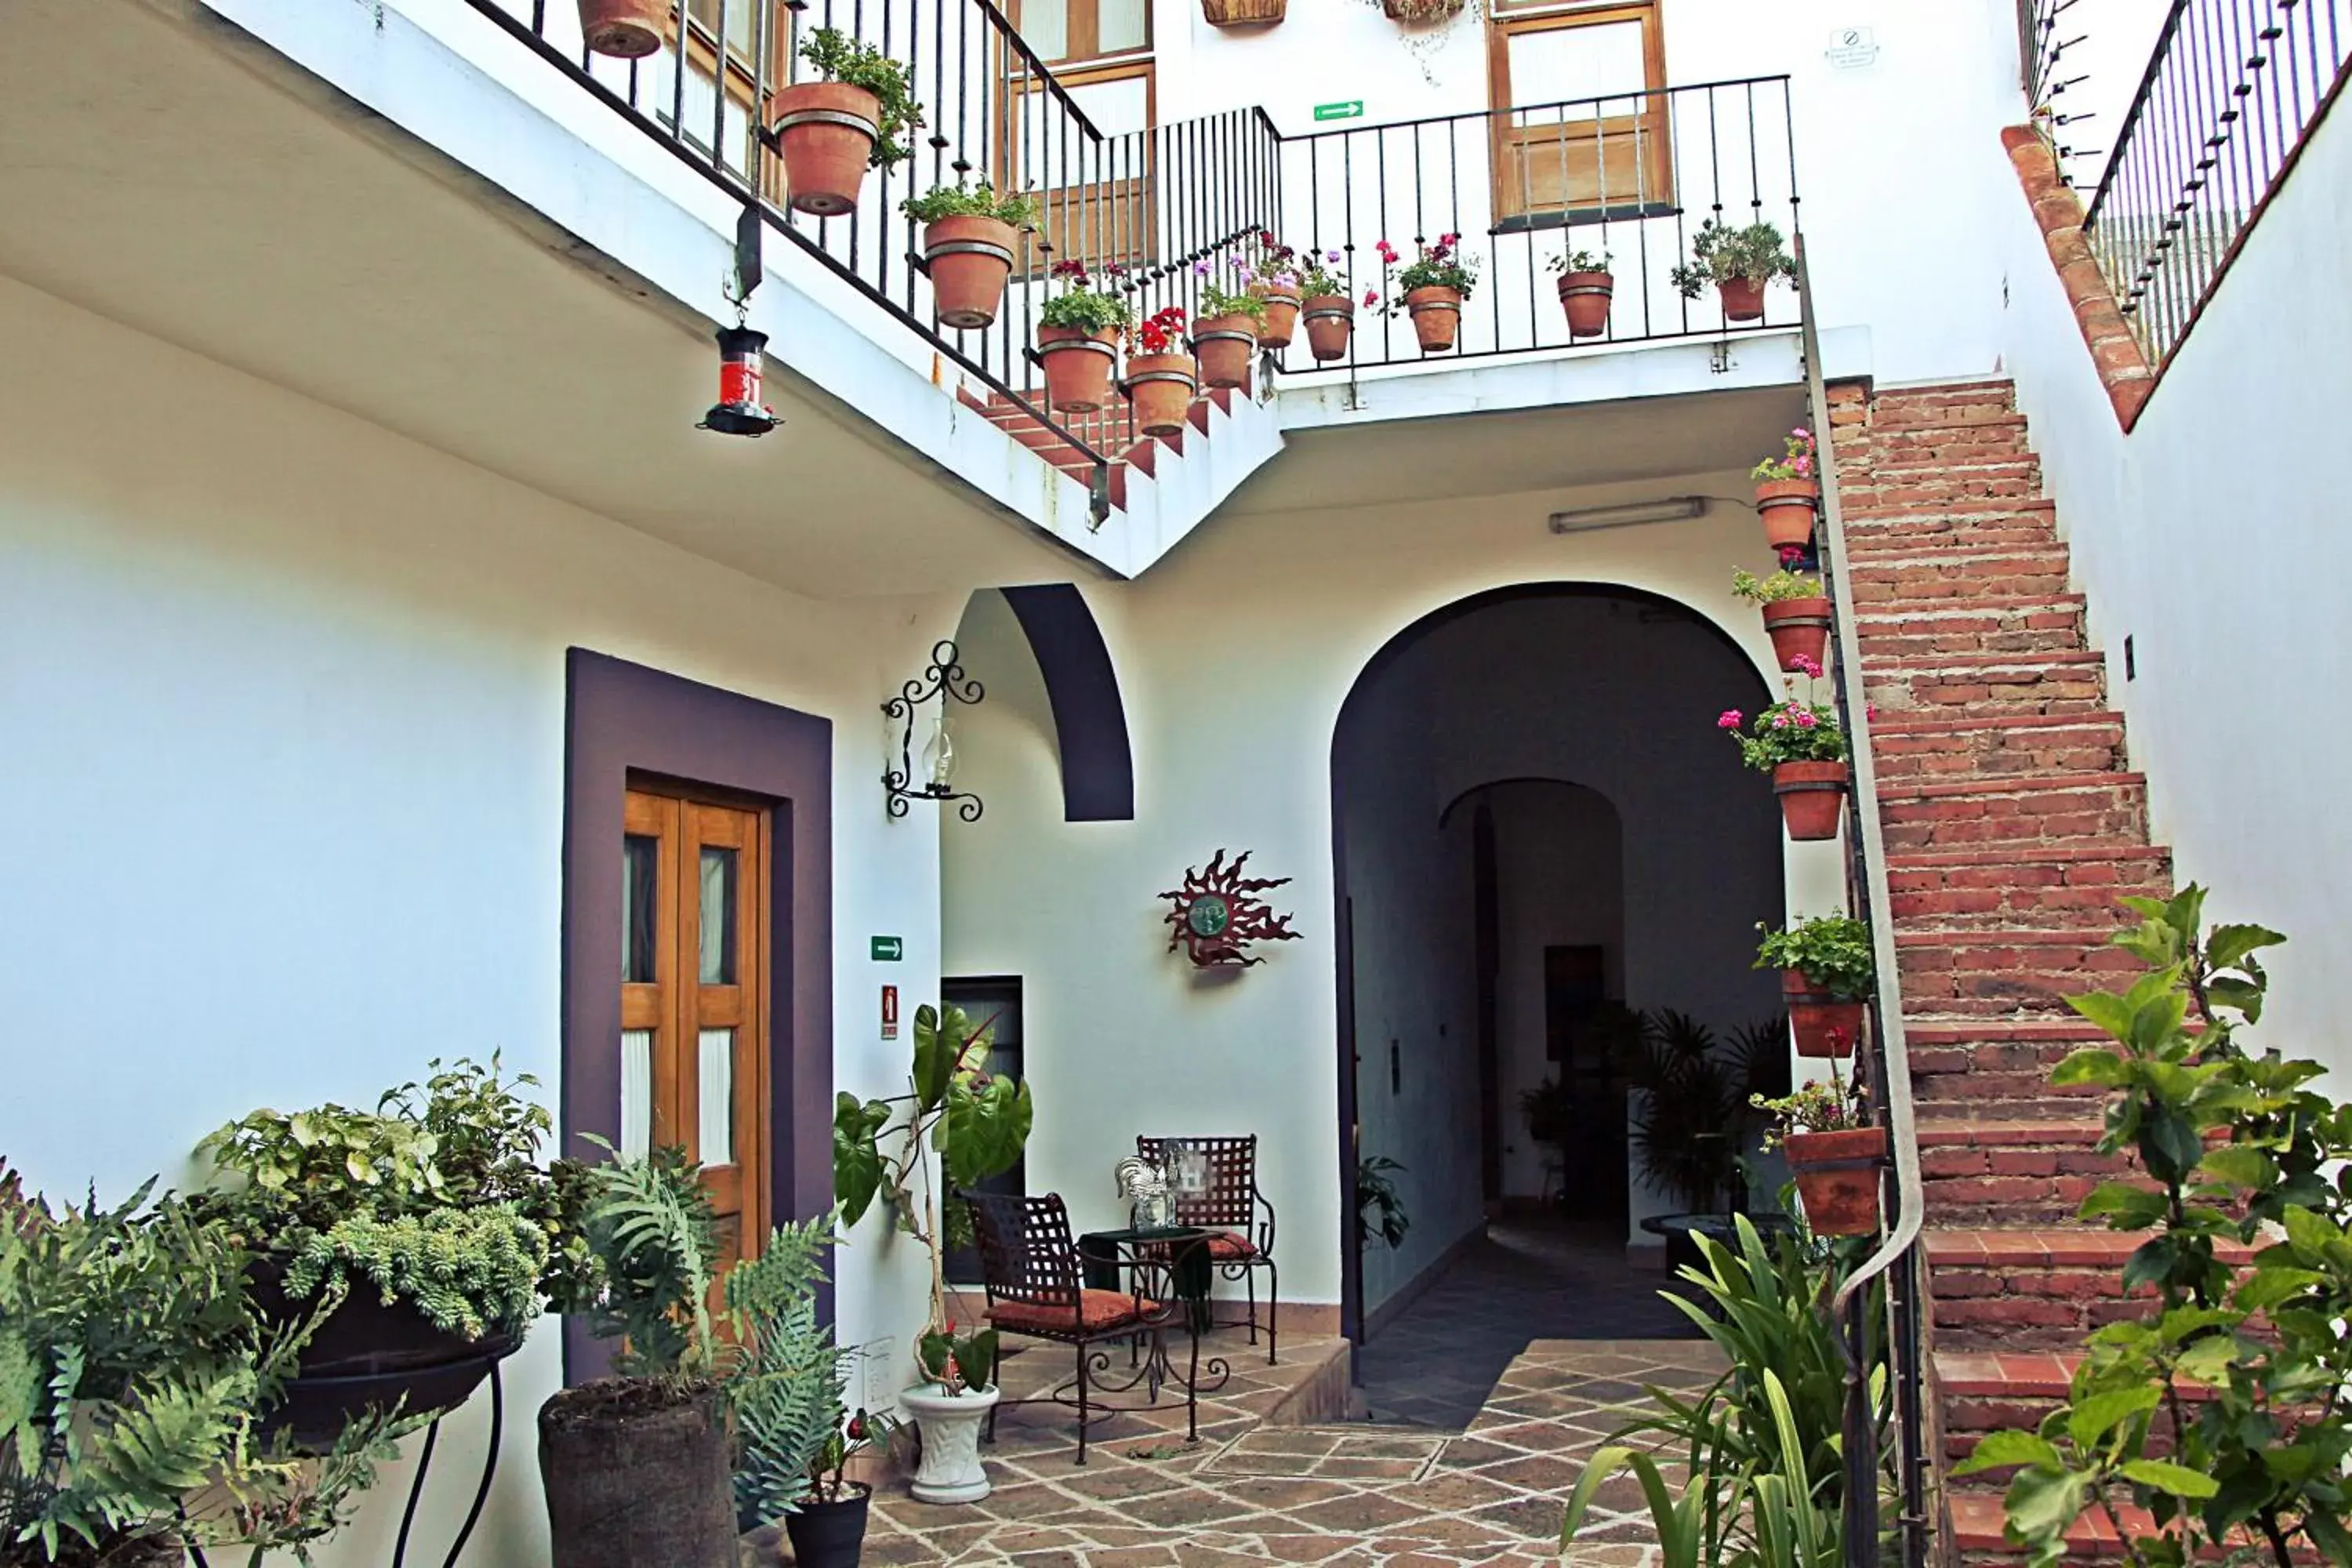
(784, 1375)
(650, 1228)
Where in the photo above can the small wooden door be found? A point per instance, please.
(1561, 148)
(694, 999)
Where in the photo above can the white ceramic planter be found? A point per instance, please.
(950, 1470)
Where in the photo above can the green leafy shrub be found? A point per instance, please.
(960, 1363)
(1217, 301)
(970, 201)
(1832, 951)
(1569, 260)
(842, 58)
(1777, 589)
(1081, 305)
(2220, 1408)
(464, 1269)
(783, 1376)
(1753, 253)
(649, 1225)
(1380, 1208)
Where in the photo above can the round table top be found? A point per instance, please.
(1710, 1224)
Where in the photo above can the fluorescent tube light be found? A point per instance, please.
(1673, 509)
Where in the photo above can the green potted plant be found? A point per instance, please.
(1077, 339)
(831, 131)
(1826, 971)
(1225, 332)
(977, 1124)
(967, 236)
(426, 1229)
(134, 1379)
(1834, 1152)
(1803, 746)
(1585, 287)
(1158, 382)
(1271, 271)
(1435, 285)
(1380, 1208)
(1740, 262)
(1327, 308)
(1548, 1109)
(1796, 614)
(1788, 492)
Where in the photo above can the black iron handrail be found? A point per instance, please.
(2232, 91)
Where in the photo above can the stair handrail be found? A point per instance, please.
(1891, 1088)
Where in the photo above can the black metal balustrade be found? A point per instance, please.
(2045, 37)
(2234, 90)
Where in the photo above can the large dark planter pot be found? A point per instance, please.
(156, 1551)
(636, 1476)
(368, 1355)
(1837, 1178)
(830, 1534)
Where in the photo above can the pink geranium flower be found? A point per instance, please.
(1729, 720)
(1804, 665)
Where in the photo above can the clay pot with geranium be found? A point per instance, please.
(1788, 492)
(969, 232)
(829, 132)
(1326, 307)
(1834, 1152)
(1272, 272)
(1077, 339)
(625, 29)
(1224, 333)
(1430, 290)
(1802, 745)
(1826, 971)
(1585, 287)
(1741, 263)
(1796, 614)
(1160, 381)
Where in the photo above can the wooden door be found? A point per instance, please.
(694, 999)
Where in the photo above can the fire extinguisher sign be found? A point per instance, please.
(890, 1012)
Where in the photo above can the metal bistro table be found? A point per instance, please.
(1680, 1229)
(1183, 1251)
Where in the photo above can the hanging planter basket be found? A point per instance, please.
(1799, 629)
(968, 259)
(1242, 13)
(1436, 317)
(1422, 11)
(1078, 366)
(1224, 346)
(1331, 319)
(1786, 507)
(1825, 1025)
(1812, 797)
(825, 131)
(1159, 388)
(1585, 297)
(1743, 300)
(1837, 1178)
(366, 1356)
(1281, 315)
(625, 29)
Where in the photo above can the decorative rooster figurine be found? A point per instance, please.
(1145, 1186)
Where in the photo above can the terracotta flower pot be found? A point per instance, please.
(1837, 1177)
(1825, 1025)
(1159, 388)
(1799, 629)
(1812, 794)
(1224, 346)
(1330, 319)
(625, 29)
(1281, 316)
(1078, 366)
(1743, 301)
(1586, 297)
(970, 259)
(1436, 317)
(1786, 507)
(826, 130)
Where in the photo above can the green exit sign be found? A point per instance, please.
(889, 948)
(1353, 108)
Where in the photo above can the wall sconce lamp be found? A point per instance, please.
(945, 681)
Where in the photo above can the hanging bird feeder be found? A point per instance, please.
(739, 411)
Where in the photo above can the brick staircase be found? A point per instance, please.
(1110, 431)
(2011, 824)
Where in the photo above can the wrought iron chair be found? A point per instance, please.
(1031, 1269)
(1240, 1241)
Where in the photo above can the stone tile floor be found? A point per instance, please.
(1358, 1495)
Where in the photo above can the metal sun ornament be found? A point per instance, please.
(944, 679)
(1216, 914)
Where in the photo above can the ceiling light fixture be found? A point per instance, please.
(1673, 509)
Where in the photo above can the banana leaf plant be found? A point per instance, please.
(975, 1122)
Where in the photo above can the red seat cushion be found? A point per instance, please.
(1231, 1245)
(1098, 1310)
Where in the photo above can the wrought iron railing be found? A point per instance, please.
(2234, 91)
(1631, 174)
(1893, 1268)
(2045, 37)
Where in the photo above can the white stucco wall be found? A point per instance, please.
(283, 791)
(2213, 536)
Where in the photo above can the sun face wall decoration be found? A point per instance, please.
(1216, 914)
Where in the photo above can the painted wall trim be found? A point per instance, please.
(622, 718)
(2122, 368)
(1089, 719)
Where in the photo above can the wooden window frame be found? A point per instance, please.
(1132, 240)
(1509, 17)
(1093, 54)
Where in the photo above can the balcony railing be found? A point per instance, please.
(2234, 90)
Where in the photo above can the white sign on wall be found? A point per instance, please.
(1851, 48)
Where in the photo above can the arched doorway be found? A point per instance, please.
(1530, 770)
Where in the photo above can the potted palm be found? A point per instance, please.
(1327, 309)
(1826, 969)
(967, 236)
(977, 1124)
(1224, 333)
(1796, 614)
(1740, 262)
(830, 131)
(1834, 1152)
(1077, 339)
(1803, 746)
(1585, 287)
(1435, 285)
(1159, 383)
(1788, 489)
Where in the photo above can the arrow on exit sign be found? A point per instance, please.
(1353, 108)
